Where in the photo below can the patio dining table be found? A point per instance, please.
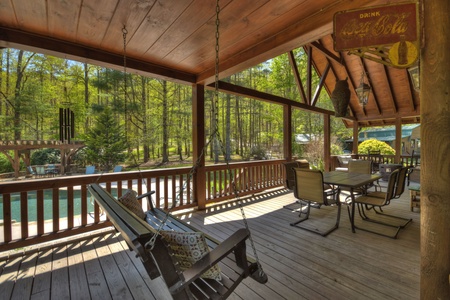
(351, 181)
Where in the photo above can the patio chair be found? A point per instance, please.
(117, 169)
(309, 187)
(414, 166)
(31, 171)
(289, 166)
(399, 188)
(371, 200)
(51, 170)
(90, 170)
(376, 158)
(362, 166)
(40, 171)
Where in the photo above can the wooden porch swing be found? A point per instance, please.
(158, 237)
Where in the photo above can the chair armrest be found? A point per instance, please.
(236, 242)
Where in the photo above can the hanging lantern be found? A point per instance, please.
(340, 98)
(363, 92)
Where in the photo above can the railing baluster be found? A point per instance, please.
(158, 192)
(40, 212)
(24, 214)
(55, 206)
(84, 205)
(166, 193)
(7, 218)
(70, 207)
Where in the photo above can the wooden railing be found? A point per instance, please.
(39, 210)
(248, 178)
(405, 160)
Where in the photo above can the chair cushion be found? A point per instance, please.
(129, 199)
(189, 247)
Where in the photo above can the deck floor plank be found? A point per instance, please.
(114, 279)
(60, 274)
(79, 288)
(130, 273)
(43, 275)
(98, 288)
(300, 264)
(23, 288)
(9, 277)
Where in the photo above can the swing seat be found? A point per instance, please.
(230, 255)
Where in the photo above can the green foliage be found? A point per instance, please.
(45, 156)
(258, 153)
(105, 142)
(375, 145)
(5, 164)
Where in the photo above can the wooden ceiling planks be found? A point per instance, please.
(63, 25)
(94, 21)
(33, 14)
(132, 14)
(232, 26)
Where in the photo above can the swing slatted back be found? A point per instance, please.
(230, 255)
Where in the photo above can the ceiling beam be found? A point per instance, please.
(321, 84)
(12, 38)
(327, 52)
(389, 82)
(298, 79)
(250, 93)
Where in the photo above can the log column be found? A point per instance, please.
(198, 142)
(435, 141)
(287, 132)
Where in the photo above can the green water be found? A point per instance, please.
(48, 204)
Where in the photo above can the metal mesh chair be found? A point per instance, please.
(378, 200)
(309, 188)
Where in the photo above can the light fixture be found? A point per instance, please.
(414, 73)
(363, 91)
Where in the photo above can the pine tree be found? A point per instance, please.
(106, 142)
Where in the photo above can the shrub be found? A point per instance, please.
(45, 156)
(375, 145)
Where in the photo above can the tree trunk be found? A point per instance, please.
(228, 129)
(17, 100)
(86, 91)
(165, 144)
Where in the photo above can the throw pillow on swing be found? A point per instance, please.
(188, 248)
(129, 199)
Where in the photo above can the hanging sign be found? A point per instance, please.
(376, 26)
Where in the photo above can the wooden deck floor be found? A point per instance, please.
(300, 264)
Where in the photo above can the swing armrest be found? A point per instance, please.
(236, 243)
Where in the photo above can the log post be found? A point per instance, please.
(435, 141)
(198, 143)
(327, 142)
(287, 132)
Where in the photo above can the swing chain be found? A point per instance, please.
(258, 274)
(216, 134)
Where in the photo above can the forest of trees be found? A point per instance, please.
(155, 114)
